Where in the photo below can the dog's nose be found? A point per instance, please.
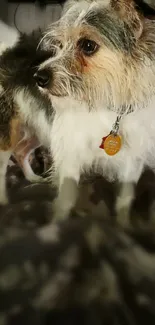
(42, 78)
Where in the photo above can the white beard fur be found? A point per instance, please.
(76, 135)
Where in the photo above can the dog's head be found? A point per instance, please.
(18, 65)
(102, 51)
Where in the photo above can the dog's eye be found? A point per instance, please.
(87, 46)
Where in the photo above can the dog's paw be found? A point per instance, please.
(124, 203)
(60, 211)
(123, 206)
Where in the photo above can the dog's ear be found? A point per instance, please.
(127, 10)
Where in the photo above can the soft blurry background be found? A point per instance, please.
(25, 16)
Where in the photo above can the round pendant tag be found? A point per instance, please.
(112, 144)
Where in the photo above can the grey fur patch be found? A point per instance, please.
(115, 32)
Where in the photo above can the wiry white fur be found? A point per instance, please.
(76, 135)
(3, 47)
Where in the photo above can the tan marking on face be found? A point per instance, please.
(79, 64)
(82, 63)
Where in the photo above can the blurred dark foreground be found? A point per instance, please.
(85, 270)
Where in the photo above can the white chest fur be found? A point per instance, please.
(77, 134)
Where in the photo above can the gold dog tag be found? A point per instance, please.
(112, 144)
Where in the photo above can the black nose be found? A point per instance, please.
(42, 78)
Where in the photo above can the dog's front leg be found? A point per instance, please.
(67, 194)
(124, 202)
(126, 193)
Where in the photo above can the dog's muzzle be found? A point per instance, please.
(42, 78)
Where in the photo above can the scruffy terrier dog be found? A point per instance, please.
(22, 105)
(102, 85)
